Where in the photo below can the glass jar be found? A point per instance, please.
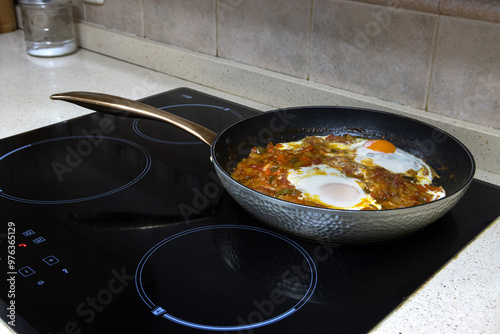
(48, 27)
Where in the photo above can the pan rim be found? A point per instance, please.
(458, 191)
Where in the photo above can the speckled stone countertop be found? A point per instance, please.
(463, 297)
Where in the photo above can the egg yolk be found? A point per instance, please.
(380, 145)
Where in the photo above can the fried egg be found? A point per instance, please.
(330, 187)
(384, 154)
(327, 186)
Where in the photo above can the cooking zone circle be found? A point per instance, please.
(71, 169)
(229, 278)
(215, 118)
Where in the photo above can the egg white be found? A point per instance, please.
(437, 194)
(296, 145)
(397, 162)
(325, 185)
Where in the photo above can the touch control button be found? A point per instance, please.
(26, 271)
(51, 260)
(39, 240)
(28, 233)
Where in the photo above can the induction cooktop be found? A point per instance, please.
(120, 225)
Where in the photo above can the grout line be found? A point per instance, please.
(84, 11)
(433, 62)
(311, 31)
(143, 20)
(216, 28)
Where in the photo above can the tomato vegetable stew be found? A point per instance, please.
(339, 172)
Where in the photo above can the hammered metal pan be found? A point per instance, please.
(453, 161)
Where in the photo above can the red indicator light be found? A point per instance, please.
(21, 245)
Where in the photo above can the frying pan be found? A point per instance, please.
(452, 160)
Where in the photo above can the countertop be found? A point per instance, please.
(463, 297)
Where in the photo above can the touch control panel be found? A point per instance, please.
(39, 262)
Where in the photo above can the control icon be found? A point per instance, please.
(26, 271)
(38, 240)
(28, 233)
(158, 311)
(51, 260)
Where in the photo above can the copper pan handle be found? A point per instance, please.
(119, 106)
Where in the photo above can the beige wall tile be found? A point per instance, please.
(186, 23)
(122, 15)
(431, 6)
(273, 35)
(466, 75)
(374, 50)
(488, 10)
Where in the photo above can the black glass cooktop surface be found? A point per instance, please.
(120, 225)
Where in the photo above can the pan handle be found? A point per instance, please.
(119, 106)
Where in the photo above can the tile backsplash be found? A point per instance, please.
(441, 56)
(373, 50)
